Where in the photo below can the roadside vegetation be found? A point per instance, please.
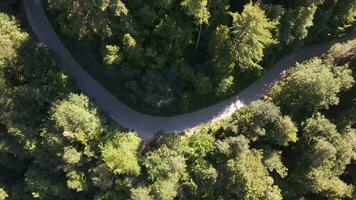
(299, 143)
(169, 57)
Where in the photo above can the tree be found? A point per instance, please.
(199, 10)
(71, 155)
(102, 177)
(111, 54)
(140, 193)
(240, 47)
(342, 53)
(272, 159)
(165, 189)
(198, 145)
(326, 153)
(164, 163)
(35, 66)
(197, 148)
(12, 37)
(204, 179)
(333, 18)
(263, 120)
(76, 181)
(24, 105)
(80, 19)
(166, 168)
(56, 145)
(295, 23)
(44, 185)
(251, 33)
(119, 152)
(225, 86)
(221, 51)
(77, 118)
(3, 194)
(244, 175)
(310, 86)
(343, 17)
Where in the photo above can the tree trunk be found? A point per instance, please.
(198, 40)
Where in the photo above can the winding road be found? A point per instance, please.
(146, 125)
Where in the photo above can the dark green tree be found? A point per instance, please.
(243, 175)
(80, 19)
(264, 121)
(325, 153)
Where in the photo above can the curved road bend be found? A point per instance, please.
(147, 125)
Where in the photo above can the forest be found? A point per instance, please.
(299, 143)
(165, 57)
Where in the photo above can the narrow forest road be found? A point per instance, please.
(147, 125)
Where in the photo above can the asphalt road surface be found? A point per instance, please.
(146, 125)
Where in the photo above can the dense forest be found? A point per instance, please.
(168, 56)
(298, 143)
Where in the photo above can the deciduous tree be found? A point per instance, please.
(77, 118)
(264, 120)
(120, 153)
(310, 86)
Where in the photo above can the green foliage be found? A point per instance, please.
(342, 53)
(87, 17)
(102, 177)
(334, 18)
(54, 144)
(140, 193)
(250, 34)
(198, 9)
(76, 181)
(272, 159)
(295, 24)
(225, 86)
(204, 179)
(165, 163)
(11, 38)
(326, 154)
(119, 152)
(245, 40)
(223, 57)
(77, 118)
(165, 189)
(310, 86)
(129, 41)
(157, 55)
(71, 155)
(3, 194)
(199, 145)
(41, 184)
(167, 53)
(246, 176)
(264, 120)
(111, 54)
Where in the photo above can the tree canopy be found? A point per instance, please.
(159, 54)
(310, 86)
(298, 143)
(264, 121)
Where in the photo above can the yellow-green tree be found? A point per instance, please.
(120, 153)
